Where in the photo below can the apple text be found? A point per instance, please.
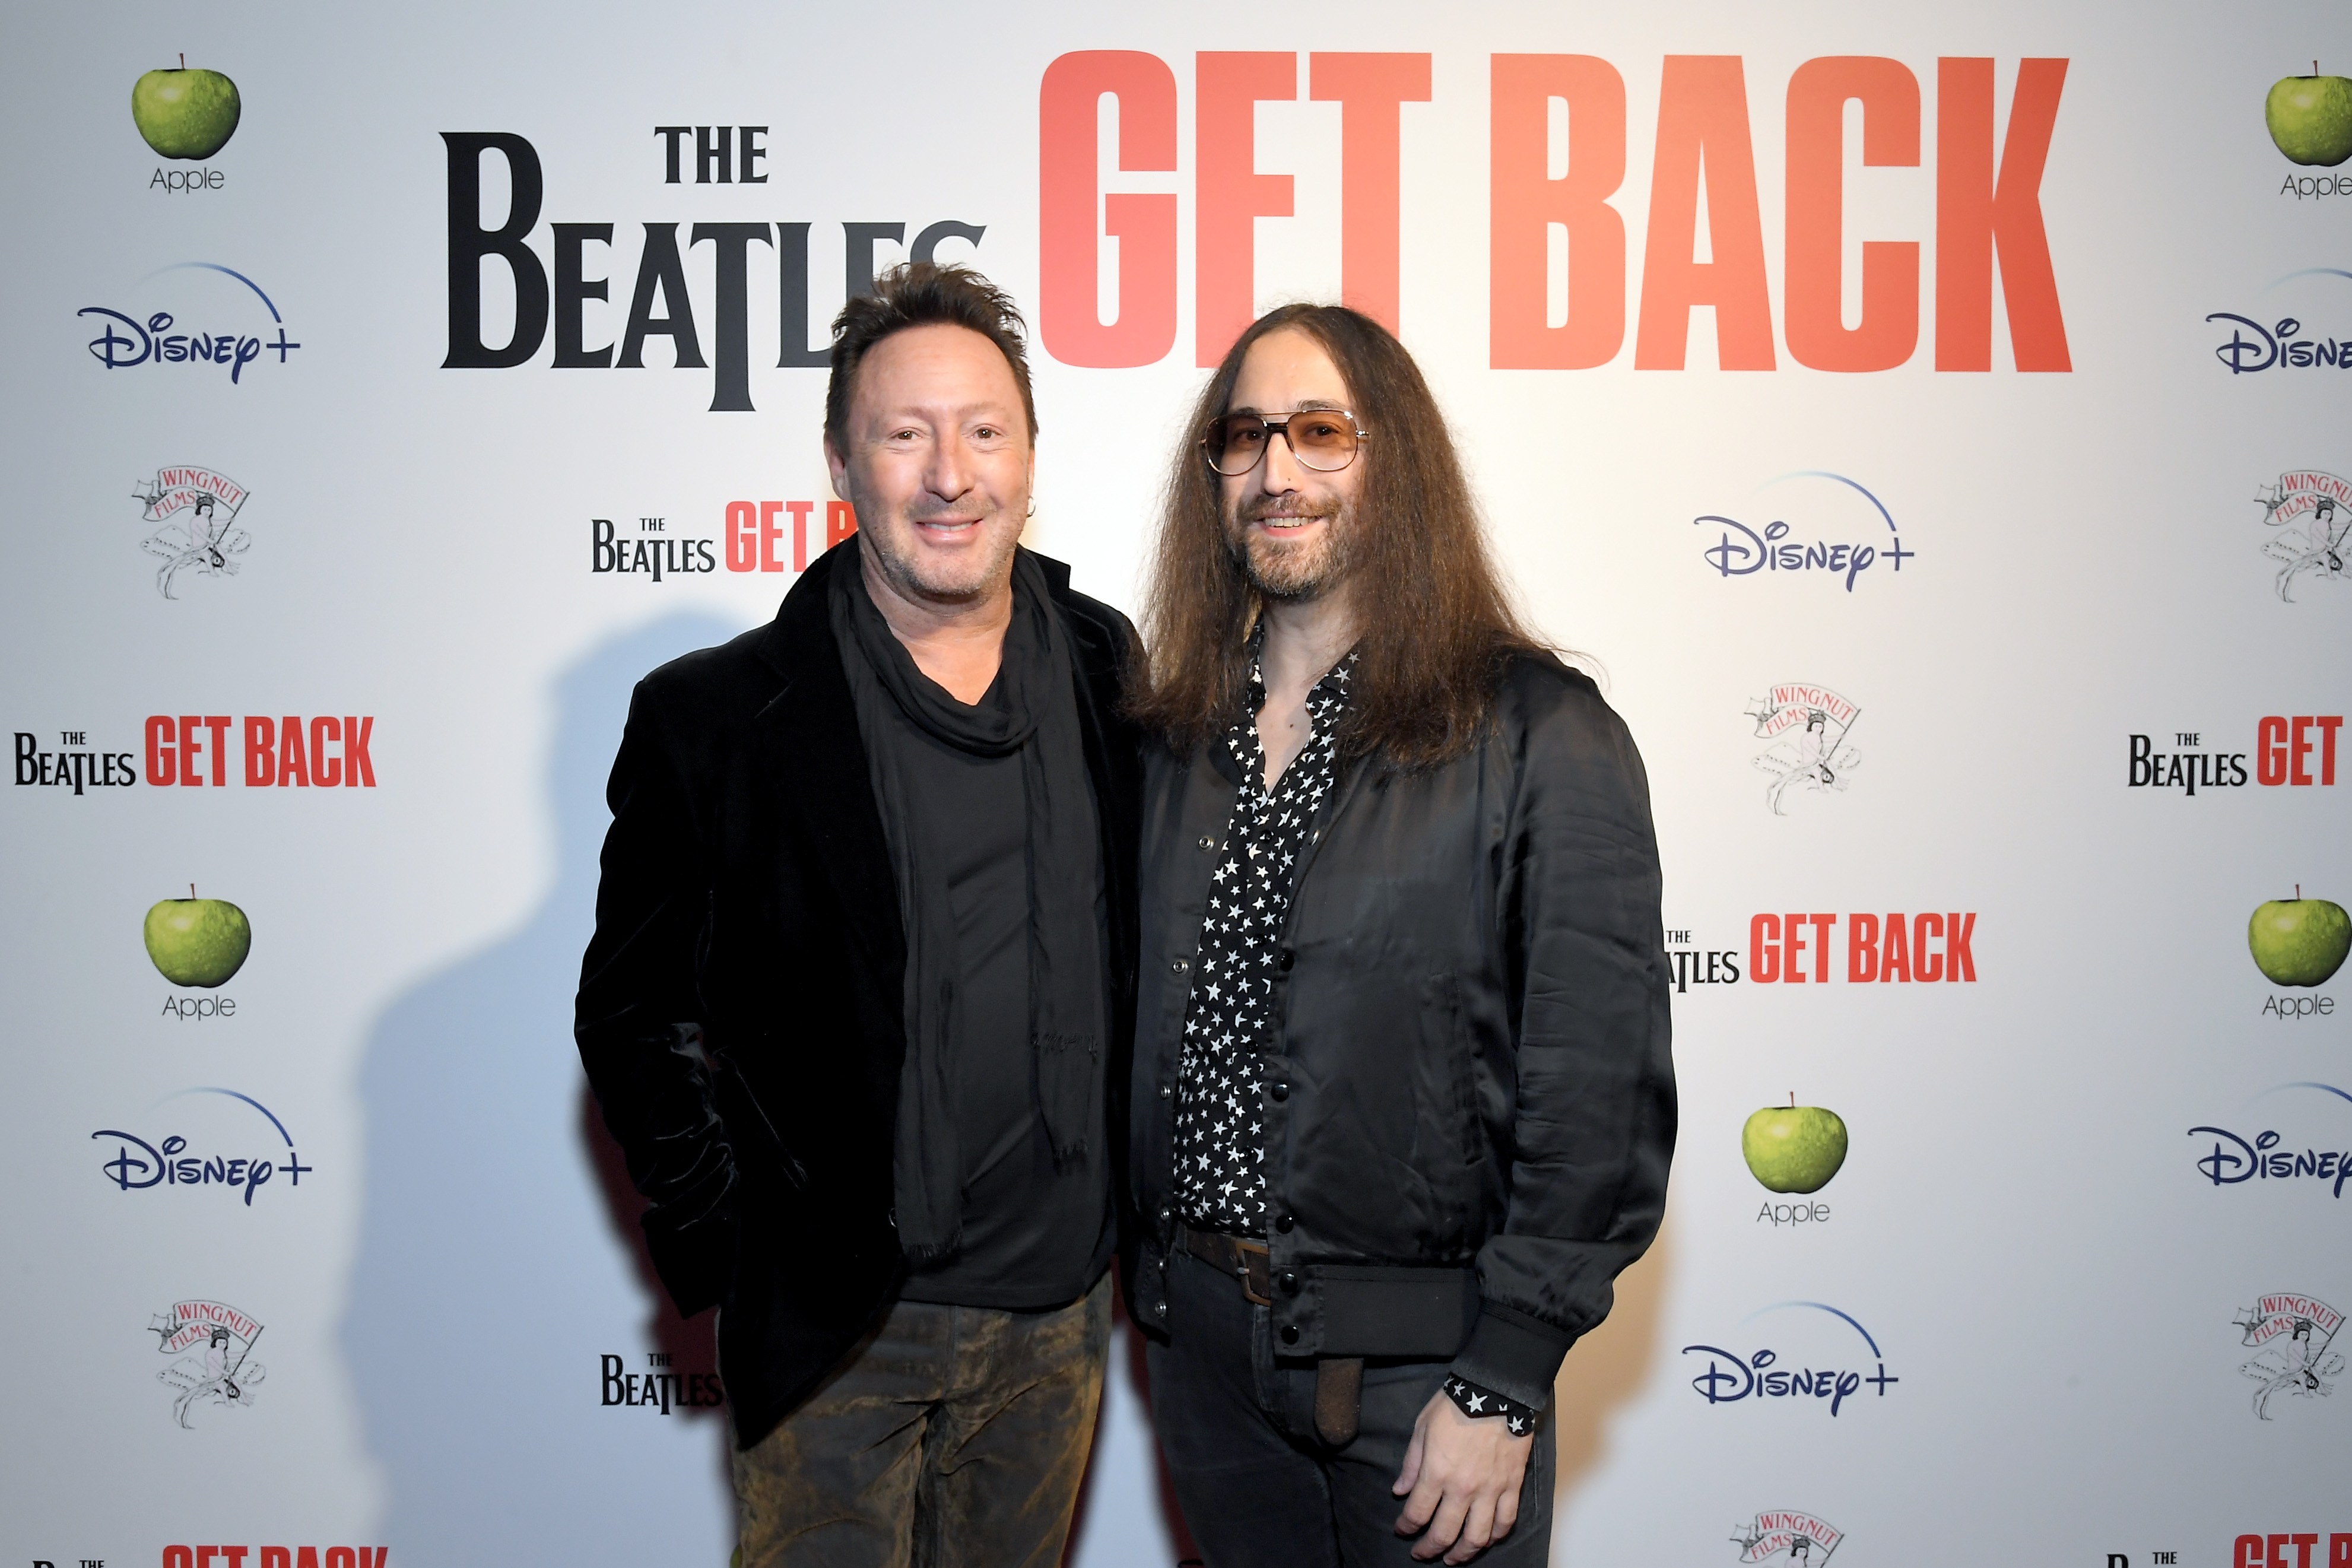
(1793, 1214)
(199, 1007)
(187, 180)
(2286, 1008)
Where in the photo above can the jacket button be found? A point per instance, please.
(1159, 1309)
(1164, 1216)
(1167, 1092)
(1285, 961)
(1208, 843)
(1290, 1334)
(1282, 1223)
(1289, 1283)
(1279, 1090)
(1181, 965)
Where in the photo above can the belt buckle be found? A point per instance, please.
(1254, 1272)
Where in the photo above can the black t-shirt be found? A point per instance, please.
(1033, 1237)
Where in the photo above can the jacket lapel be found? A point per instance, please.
(813, 757)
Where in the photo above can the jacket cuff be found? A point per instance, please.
(696, 1261)
(1514, 1354)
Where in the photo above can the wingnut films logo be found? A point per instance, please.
(1788, 1534)
(1833, 1371)
(215, 1368)
(2311, 512)
(177, 1162)
(2229, 1159)
(2294, 1337)
(1835, 536)
(1808, 728)
(229, 333)
(197, 509)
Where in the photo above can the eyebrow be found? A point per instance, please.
(1312, 405)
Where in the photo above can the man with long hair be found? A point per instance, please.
(863, 974)
(1402, 1103)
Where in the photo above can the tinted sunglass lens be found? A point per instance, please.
(1236, 443)
(1322, 441)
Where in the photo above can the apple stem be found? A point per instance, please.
(183, 66)
(1792, 1093)
(192, 894)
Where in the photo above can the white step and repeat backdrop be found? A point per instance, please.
(1932, 421)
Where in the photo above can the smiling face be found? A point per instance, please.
(937, 465)
(1289, 525)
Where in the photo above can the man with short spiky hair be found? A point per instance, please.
(1403, 1104)
(863, 975)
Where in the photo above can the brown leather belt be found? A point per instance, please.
(1338, 1380)
(1238, 1256)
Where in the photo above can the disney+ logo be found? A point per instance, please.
(1774, 549)
(150, 341)
(1730, 1377)
(2281, 346)
(2234, 1159)
(137, 1164)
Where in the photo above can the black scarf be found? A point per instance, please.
(1034, 712)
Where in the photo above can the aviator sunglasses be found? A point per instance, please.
(1322, 439)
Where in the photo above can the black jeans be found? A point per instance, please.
(1259, 1486)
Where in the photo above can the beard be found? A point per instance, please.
(1292, 569)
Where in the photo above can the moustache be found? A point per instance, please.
(1259, 510)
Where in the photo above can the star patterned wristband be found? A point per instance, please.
(1481, 1402)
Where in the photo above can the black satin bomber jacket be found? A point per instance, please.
(740, 1006)
(1469, 1092)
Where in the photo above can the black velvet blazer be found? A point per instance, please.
(740, 1012)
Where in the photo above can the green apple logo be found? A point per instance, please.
(2310, 117)
(198, 941)
(1794, 1148)
(186, 113)
(2299, 940)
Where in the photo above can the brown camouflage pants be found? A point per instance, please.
(955, 1435)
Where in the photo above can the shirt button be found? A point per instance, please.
(1181, 965)
(1290, 1334)
(1279, 1090)
(1289, 1283)
(1282, 1223)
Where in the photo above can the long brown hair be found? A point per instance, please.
(1435, 622)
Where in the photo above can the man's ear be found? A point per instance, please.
(837, 467)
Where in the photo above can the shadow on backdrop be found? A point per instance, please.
(500, 1259)
(1608, 1370)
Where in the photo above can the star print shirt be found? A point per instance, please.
(1229, 1019)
